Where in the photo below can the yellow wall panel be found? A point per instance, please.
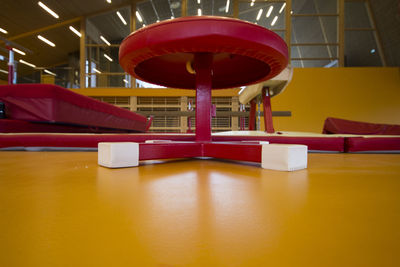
(363, 94)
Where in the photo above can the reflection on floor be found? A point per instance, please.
(62, 209)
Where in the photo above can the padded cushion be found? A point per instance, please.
(20, 126)
(244, 52)
(91, 140)
(373, 144)
(54, 104)
(81, 140)
(340, 126)
(334, 144)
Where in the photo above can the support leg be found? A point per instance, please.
(252, 116)
(269, 127)
(203, 68)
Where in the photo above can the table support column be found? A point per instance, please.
(269, 126)
(252, 116)
(203, 67)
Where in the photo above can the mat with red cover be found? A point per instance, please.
(341, 126)
(20, 141)
(47, 108)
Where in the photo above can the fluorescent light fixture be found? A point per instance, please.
(252, 3)
(274, 21)
(269, 11)
(144, 25)
(138, 16)
(259, 14)
(75, 31)
(3, 31)
(105, 40)
(172, 17)
(125, 81)
(95, 70)
(51, 12)
(27, 63)
(331, 64)
(283, 6)
(372, 51)
(227, 6)
(49, 72)
(158, 20)
(291, 12)
(109, 58)
(121, 18)
(4, 71)
(46, 41)
(109, 1)
(18, 51)
(198, 2)
(199, 12)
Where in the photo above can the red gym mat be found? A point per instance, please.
(50, 104)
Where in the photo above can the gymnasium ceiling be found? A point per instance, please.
(21, 17)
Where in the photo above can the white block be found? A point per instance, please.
(284, 157)
(118, 154)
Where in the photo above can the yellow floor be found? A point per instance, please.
(62, 209)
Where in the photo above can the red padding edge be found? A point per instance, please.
(50, 103)
(340, 126)
(360, 144)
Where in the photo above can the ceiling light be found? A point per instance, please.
(269, 11)
(105, 40)
(27, 63)
(252, 3)
(144, 25)
(199, 12)
(75, 31)
(227, 6)
(4, 71)
(291, 12)
(172, 17)
(3, 31)
(158, 20)
(198, 2)
(54, 14)
(372, 51)
(95, 70)
(109, 58)
(125, 81)
(49, 72)
(138, 16)
(121, 18)
(283, 6)
(274, 21)
(259, 14)
(109, 1)
(46, 41)
(19, 51)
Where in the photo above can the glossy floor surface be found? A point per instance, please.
(62, 209)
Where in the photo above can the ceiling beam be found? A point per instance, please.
(66, 22)
(50, 27)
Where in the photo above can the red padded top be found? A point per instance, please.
(54, 104)
(341, 126)
(244, 52)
